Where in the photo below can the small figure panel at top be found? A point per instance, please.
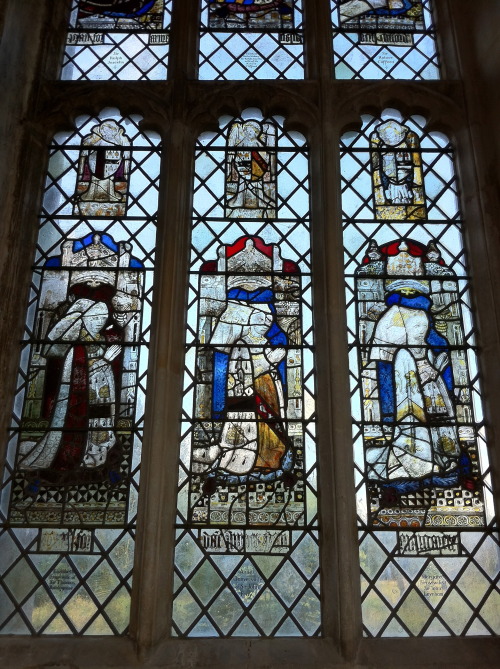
(123, 40)
(384, 39)
(397, 178)
(128, 14)
(251, 39)
(251, 14)
(103, 172)
(251, 171)
(404, 15)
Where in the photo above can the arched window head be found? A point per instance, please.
(70, 486)
(246, 557)
(424, 499)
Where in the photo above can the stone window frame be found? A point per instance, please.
(36, 106)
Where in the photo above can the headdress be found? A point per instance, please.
(95, 258)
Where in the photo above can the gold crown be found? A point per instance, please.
(91, 262)
(404, 264)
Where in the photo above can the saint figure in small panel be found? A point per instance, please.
(251, 170)
(103, 170)
(397, 172)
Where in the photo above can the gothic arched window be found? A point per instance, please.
(247, 555)
(427, 538)
(245, 439)
(70, 486)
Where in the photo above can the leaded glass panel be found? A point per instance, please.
(117, 39)
(69, 494)
(384, 39)
(429, 552)
(246, 558)
(253, 39)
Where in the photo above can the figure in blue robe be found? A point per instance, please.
(248, 392)
(415, 386)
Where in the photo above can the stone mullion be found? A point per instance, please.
(153, 582)
(318, 44)
(477, 143)
(183, 52)
(339, 547)
(342, 604)
(153, 587)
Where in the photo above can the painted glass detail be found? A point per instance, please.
(69, 491)
(251, 172)
(384, 39)
(117, 39)
(247, 553)
(103, 172)
(428, 545)
(397, 179)
(252, 39)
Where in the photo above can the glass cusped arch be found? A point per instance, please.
(429, 550)
(246, 560)
(70, 484)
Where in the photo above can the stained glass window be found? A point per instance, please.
(428, 544)
(69, 492)
(246, 561)
(384, 39)
(253, 39)
(117, 39)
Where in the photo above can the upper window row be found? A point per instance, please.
(250, 39)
